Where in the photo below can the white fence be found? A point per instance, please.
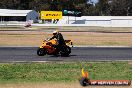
(102, 21)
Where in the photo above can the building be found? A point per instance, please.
(18, 15)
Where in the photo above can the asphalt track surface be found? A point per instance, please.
(28, 54)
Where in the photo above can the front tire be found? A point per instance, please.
(41, 52)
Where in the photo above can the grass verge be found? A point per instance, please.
(62, 71)
(34, 38)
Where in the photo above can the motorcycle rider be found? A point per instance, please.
(60, 40)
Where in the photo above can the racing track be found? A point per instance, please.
(28, 54)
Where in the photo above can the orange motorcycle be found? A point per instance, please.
(48, 48)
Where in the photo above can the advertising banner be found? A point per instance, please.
(51, 15)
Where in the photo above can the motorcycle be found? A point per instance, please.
(48, 47)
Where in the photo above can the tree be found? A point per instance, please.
(115, 7)
(103, 7)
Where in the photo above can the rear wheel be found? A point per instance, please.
(41, 52)
(65, 51)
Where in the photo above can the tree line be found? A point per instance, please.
(102, 8)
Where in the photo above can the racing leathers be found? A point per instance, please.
(60, 41)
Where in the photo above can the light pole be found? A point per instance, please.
(128, 8)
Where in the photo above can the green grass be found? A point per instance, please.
(62, 71)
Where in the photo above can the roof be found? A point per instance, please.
(10, 12)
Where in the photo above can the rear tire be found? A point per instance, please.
(66, 50)
(41, 52)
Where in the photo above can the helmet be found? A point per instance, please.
(55, 32)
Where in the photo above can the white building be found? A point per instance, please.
(18, 15)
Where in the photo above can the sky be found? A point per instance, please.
(94, 1)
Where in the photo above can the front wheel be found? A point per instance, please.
(41, 52)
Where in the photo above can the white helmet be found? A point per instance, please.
(55, 32)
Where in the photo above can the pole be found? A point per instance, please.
(75, 18)
(68, 19)
(1, 19)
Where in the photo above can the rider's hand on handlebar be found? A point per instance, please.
(47, 39)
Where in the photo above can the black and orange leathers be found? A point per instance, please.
(60, 41)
